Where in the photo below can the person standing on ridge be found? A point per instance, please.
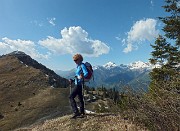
(80, 72)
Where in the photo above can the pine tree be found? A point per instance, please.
(172, 23)
(167, 54)
(160, 56)
(172, 31)
(160, 53)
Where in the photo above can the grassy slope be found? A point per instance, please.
(26, 96)
(95, 122)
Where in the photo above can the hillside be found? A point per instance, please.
(27, 93)
(53, 79)
(92, 122)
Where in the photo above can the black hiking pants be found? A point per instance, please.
(77, 91)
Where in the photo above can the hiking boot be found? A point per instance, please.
(75, 115)
(82, 113)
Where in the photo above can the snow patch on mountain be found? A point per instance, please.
(132, 66)
(140, 65)
(122, 66)
(109, 65)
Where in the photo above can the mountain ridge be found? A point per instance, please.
(54, 79)
(26, 92)
(111, 75)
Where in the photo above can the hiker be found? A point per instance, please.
(80, 72)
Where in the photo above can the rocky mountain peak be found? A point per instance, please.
(109, 65)
(139, 65)
(16, 53)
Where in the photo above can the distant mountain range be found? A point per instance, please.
(111, 75)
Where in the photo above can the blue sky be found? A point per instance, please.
(52, 31)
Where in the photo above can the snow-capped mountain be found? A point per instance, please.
(113, 75)
(109, 65)
(140, 65)
(143, 65)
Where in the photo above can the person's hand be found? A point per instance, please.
(81, 76)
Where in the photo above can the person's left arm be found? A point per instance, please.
(84, 70)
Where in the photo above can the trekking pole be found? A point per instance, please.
(70, 88)
(83, 91)
(71, 84)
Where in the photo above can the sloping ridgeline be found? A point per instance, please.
(53, 79)
(26, 93)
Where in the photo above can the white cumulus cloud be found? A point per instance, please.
(7, 45)
(75, 40)
(141, 31)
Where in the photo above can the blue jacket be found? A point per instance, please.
(81, 68)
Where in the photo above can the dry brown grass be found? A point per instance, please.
(26, 96)
(158, 110)
(95, 122)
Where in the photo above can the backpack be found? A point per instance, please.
(90, 72)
